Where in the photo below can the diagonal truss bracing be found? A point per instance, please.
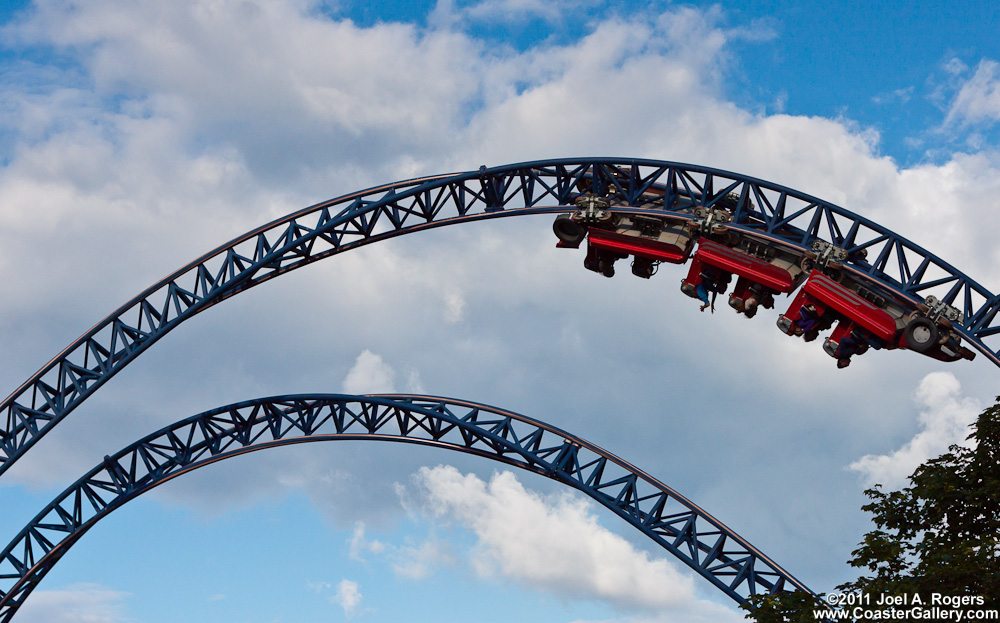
(671, 520)
(771, 212)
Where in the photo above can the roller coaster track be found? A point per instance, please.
(668, 518)
(770, 212)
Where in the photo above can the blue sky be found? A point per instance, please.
(136, 136)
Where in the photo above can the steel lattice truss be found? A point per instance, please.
(675, 523)
(768, 211)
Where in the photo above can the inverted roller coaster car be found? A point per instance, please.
(762, 272)
(870, 316)
(612, 236)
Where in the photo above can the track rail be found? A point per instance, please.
(768, 211)
(675, 523)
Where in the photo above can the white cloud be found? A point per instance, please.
(943, 208)
(955, 66)
(79, 603)
(359, 545)
(236, 58)
(518, 10)
(370, 375)
(555, 544)
(414, 561)
(978, 100)
(901, 96)
(348, 597)
(944, 419)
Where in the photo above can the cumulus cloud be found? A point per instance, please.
(348, 597)
(978, 100)
(232, 61)
(359, 545)
(79, 603)
(511, 10)
(555, 544)
(944, 420)
(370, 375)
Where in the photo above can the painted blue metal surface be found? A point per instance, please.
(770, 212)
(702, 542)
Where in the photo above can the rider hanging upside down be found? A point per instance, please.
(856, 342)
(707, 285)
(849, 346)
(755, 296)
(808, 320)
(713, 281)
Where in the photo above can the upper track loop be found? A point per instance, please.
(770, 212)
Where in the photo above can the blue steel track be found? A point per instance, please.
(771, 213)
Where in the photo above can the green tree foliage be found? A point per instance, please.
(797, 607)
(939, 535)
